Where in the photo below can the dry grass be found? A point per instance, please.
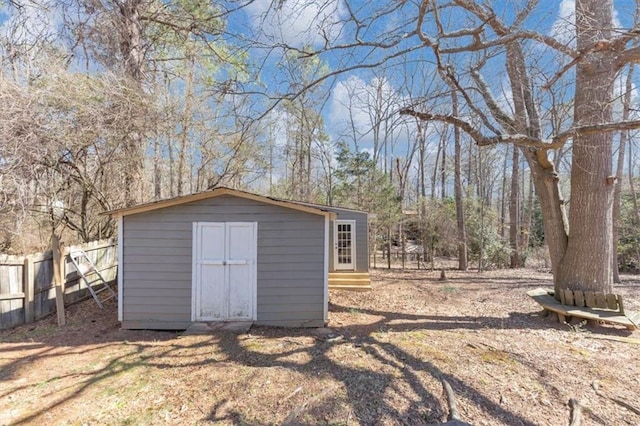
(382, 363)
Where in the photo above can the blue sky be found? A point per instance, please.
(349, 95)
(307, 22)
(303, 22)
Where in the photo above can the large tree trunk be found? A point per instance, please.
(580, 259)
(586, 264)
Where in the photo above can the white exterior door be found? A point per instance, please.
(344, 234)
(224, 271)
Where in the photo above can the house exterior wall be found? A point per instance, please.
(157, 252)
(362, 237)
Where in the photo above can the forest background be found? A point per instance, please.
(107, 103)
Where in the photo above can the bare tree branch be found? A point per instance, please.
(505, 33)
(519, 139)
(476, 135)
(501, 116)
(597, 128)
(628, 56)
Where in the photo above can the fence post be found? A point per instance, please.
(28, 283)
(58, 268)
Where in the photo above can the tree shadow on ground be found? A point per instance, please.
(364, 388)
(360, 389)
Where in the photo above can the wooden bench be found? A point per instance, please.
(607, 308)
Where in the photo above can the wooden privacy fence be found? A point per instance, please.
(27, 288)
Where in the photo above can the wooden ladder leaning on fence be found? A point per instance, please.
(92, 277)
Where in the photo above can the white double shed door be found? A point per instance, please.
(224, 282)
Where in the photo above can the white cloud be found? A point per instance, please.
(298, 22)
(277, 127)
(564, 27)
(368, 151)
(505, 96)
(349, 105)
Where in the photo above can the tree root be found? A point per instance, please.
(618, 401)
(454, 417)
(297, 412)
(451, 401)
(576, 412)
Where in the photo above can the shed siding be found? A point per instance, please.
(157, 262)
(362, 237)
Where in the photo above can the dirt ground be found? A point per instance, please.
(382, 362)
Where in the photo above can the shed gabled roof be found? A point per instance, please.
(217, 192)
(334, 208)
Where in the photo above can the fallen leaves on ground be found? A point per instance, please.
(381, 361)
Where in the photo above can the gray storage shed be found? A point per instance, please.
(229, 255)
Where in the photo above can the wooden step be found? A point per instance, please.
(353, 281)
(350, 287)
(349, 275)
(349, 280)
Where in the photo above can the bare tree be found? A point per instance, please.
(305, 131)
(142, 40)
(66, 160)
(580, 259)
(469, 41)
